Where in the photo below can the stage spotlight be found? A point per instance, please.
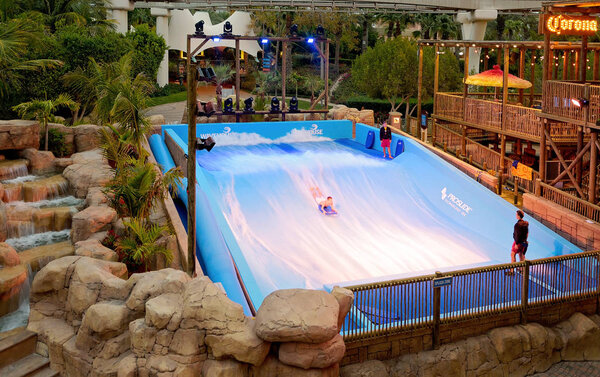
(228, 106)
(275, 105)
(264, 41)
(248, 106)
(199, 28)
(310, 40)
(216, 39)
(293, 105)
(320, 31)
(294, 30)
(580, 102)
(227, 29)
(207, 144)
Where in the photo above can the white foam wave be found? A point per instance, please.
(244, 138)
(66, 201)
(38, 239)
(25, 178)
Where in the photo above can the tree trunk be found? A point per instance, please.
(338, 42)
(365, 38)
(46, 132)
(398, 30)
(390, 29)
(276, 56)
(406, 115)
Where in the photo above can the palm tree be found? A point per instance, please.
(513, 29)
(15, 38)
(313, 83)
(41, 110)
(91, 14)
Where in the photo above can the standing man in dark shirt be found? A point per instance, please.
(520, 233)
(385, 135)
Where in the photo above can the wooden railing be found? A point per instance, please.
(557, 99)
(568, 201)
(386, 308)
(449, 106)
(485, 113)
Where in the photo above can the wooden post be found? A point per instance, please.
(191, 160)
(576, 65)
(572, 66)
(465, 86)
(546, 58)
(579, 166)
(419, 88)
(463, 146)
(551, 64)
(593, 166)
(486, 59)
(537, 188)
(565, 64)
(283, 77)
(532, 78)
(502, 163)
(543, 151)
(326, 77)
(237, 75)
(525, 293)
(437, 296)
(521, 72)
(583, 59)
(596, 63)
(505, 70)
(436, 75)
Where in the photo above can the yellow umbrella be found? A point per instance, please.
(494, 77)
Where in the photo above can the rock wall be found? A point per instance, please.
(19, 134)
(343, 112)
(578, 229)
(92, 322)
(507, 351)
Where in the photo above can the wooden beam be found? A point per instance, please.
(576, 65)
(532, 78)
(596, 58)
(502, 163)
(579, 166)
(486, 59)
(563, 163)
(542, 168)
(191, 161)
(283, 76)
(419, 87)
(573, 163)
(550, 64)
(326, 76)
(505, 70)
(583, 59)
(565, 64)
(436, 70)
(197, 48)
(546, 58)
(521, 72)
(593, 167)
(237, 75)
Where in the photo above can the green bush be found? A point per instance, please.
(56, 142)
(345, 90)
(383, 106)
(167, 90)
(248, 83)
(149, 49)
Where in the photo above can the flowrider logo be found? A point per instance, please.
(454, 202)
(314, 130)
(226, 131)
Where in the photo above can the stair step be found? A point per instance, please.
(46, 372)
(16, 347)
(26, 366)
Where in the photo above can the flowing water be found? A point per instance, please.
(19, 317)
(39, 239)
(10, 169)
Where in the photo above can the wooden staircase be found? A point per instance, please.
(18, 357)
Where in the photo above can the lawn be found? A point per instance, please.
(175, 97)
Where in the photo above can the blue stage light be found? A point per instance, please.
(310, 40)
(264, 41)
(216, 39)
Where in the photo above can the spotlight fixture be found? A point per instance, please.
(228, 106)
(207, 109)
(320, 31)
(216, 39)
(264, 41)
(293, 105)
(580, 102)
(310, 40)
(275, 105)
(294, 30)
(199, 28)
(227, 29)
(207, 144)
(248, 106)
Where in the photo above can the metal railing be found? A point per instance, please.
(386, 308)
(568, 201)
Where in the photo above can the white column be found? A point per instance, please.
(162, 29)
(118, 12)
(473, 29)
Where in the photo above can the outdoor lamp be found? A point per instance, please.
(228, 106)
(199, 28)
(248, 106)
(207, 144)
(310, 40)
(580, 102)
(275, 105)
(216, 39)
(320, 31)
(227, 29)
(264, 41)
(293, 105)
(294, 30)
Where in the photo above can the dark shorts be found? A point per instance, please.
(519, 248)
(385, 143)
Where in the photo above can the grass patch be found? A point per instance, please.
(175, 97)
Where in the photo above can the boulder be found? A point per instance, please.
(160, 309)
(153, 284)
(54, 333)
(224, 368)
(186, 342)
(68, 134)
(204, 302)
(61, 163)
(93, 155)
(582, 338)
(91, 220)
(307, 355)
(157, 119)
(94, 249)
(8, 255)
(87, 137)
(371, 368)
(244, 345)
(273, 367)
(507, 342)
(109, 317)
(19, 134)
(53, 276)
(345, 298)
(127, 366)
(1, 192)
(298, 315)
(89, 169)
(143, 337)
(40, 162)
(367, 117)
(3, 220)
(95, 197)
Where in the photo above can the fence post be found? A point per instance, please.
(436, 313)
(598, 283)
(538, 187)
(525, 292)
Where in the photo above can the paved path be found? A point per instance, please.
(572, 369)
(173, 112)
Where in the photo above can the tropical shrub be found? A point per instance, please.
(139, 247)
(148, 50)
(56, 142)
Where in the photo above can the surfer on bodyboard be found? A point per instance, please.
(324, 204)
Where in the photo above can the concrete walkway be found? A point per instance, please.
(173, 112)
(572, 369)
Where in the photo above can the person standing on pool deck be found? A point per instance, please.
(385, 135)
(520, 233)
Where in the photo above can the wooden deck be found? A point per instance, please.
(557, 104)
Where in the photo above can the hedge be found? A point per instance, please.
(383, 106)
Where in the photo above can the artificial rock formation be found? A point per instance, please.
(343, 112)
(89, 169)
(40, 162)
(19, 134)
(92, 321)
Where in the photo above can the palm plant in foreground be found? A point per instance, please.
(140, 246)
(42, 110)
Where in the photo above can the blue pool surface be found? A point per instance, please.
(409, 216)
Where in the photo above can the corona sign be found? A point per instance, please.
(571, 25)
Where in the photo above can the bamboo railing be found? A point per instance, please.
(557, 99)
(566, 200)
(385, 308)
